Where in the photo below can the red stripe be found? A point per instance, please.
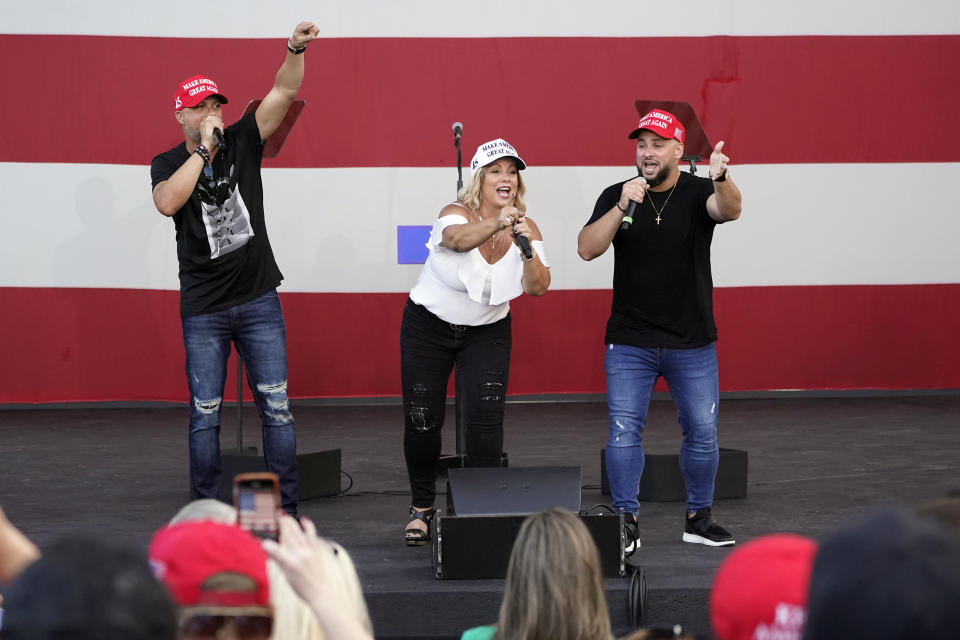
(561, 101)
(63, 345)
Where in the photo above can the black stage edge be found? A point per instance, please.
(122, 472)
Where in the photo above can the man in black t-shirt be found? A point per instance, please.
(210, 185)
(661, 322)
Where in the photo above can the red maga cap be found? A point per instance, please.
(663, 123)
(206, 564)
(760, 590)
(194, 90)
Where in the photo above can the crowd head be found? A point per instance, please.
(554, 586)
(217, 576)
(760, 590)
(890, 576)
(84, 588)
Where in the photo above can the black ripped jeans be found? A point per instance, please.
(429, 348)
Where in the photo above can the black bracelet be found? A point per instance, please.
(202, 150)
(722, 177)
(293, 50)
(619, 207)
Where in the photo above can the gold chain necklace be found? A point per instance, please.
(493, 242)
(664, 206)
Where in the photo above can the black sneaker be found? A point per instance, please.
(703, 529)
(631, 534)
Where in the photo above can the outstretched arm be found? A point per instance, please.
(274, 107)
(724, 205)
(464, 237)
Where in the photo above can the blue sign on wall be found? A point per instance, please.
(412, 244)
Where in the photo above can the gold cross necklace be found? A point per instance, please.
(664, 206)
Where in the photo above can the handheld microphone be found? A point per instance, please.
(525, 247)
(628, 216)
(457, 132)
(218, 138)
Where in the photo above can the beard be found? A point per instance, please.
(656, 180)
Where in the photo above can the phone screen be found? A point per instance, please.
(257, 504)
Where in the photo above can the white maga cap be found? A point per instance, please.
(492, 151)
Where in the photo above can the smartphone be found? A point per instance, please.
(257, 499)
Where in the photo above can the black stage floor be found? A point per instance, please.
(814, 464)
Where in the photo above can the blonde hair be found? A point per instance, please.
(206, 509)
(554, 585)
(470, 195)
(293, 619)
(341, 574)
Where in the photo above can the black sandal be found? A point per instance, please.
(416, 537)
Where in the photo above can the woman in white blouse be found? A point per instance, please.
(459, 313)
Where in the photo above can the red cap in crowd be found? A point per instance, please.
(216, 567)
(760, 590)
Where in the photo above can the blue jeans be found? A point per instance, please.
(692, 377)
(257, 330)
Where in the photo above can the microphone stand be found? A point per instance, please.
(459, 459)
(456, 143)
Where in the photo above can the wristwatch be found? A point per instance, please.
(722, 177)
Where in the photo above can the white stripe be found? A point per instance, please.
(74, 225)
(82, 225)
(492, 18)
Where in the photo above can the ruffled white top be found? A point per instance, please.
(463, 288)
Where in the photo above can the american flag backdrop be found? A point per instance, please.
(840, 120)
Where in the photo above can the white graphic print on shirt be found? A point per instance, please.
(228, 226)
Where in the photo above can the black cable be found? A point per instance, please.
(349, 486)
(603, 507)
(637, 597)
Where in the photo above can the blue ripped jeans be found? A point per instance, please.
(692, 377)
(257, 329)
(429, 348)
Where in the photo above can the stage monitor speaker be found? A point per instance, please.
(318, 474)
(512, 490)
(478, 547)
(662, 481)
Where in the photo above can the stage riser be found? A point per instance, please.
(445, 615)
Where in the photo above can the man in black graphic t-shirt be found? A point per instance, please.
(210, 185)
(661, 322)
